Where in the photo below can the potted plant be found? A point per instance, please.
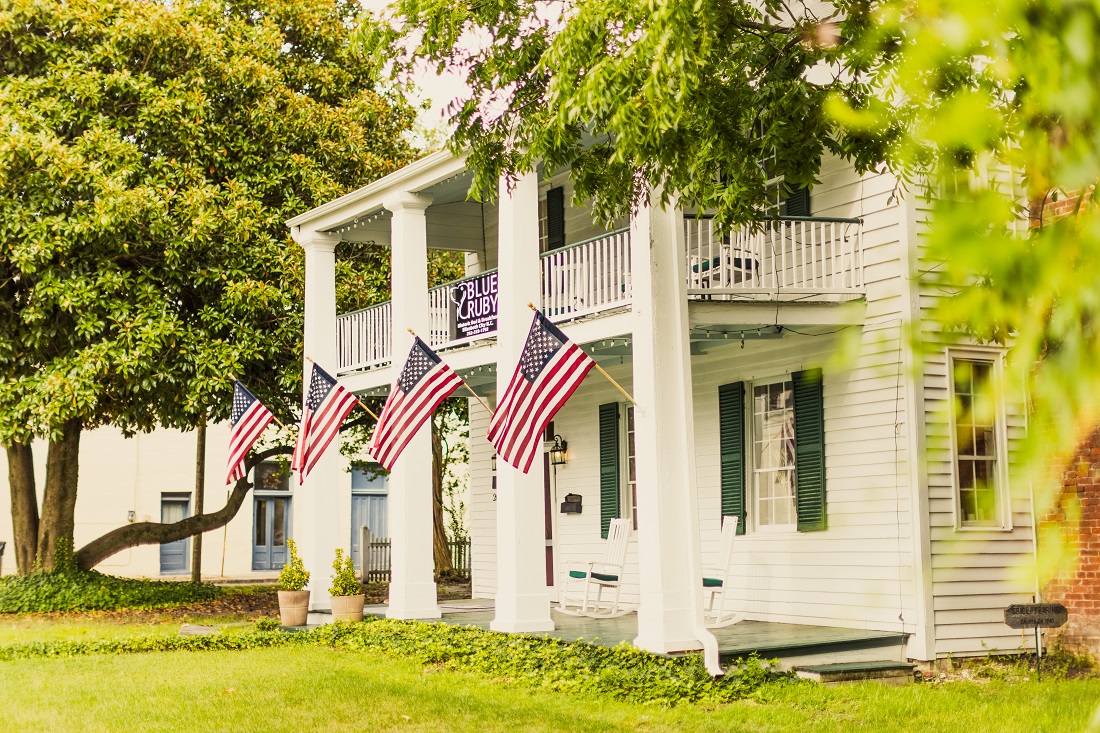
(293, 601)
(347, 593)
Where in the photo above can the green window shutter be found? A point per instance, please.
(731, 434)
(610, 463)
(809, 447)
(555, 218)
(797, 203)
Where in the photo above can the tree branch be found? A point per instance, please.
(153, 533)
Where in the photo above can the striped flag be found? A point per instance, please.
(249, 418)
(550, 369)
(424, 383)
(327, 404)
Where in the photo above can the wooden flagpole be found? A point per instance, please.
(600, 369)
(277, 421)
(468, 387)
(357, 400)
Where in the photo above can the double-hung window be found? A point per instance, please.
(773, 454)
(773, 468)
(977, 420)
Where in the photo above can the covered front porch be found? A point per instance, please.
(792, 644)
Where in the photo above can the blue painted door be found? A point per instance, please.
(368, 509)
(175, 556)
(271, 526)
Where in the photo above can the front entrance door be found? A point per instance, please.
(270, 532)
(175, 556)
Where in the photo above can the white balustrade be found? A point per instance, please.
(363, 337)
(797, 256)
(587, 277)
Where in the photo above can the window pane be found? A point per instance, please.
(269, 477)
(261, 522)
(278, 530)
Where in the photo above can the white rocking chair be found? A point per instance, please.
(576, 597)
(716, 579)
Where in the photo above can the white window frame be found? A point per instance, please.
(628, 508)
(1003, 520)
(753, 493)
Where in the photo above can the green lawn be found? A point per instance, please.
(300, 689)
(15, 629)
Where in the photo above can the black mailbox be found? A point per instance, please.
(572, 504)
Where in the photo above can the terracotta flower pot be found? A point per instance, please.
(348, 608)
(293, 607)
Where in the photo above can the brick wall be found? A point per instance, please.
(1069, 549)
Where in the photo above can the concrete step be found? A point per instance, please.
(885, 672)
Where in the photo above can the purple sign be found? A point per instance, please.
(474, 307)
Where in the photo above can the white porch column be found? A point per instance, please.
(317, 502)
(412, 566)
(522, 602)
(669, 613)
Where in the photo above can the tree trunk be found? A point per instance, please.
(24, 506)
(442, 549)
(200, 490)
(59, 499)
(155, 533)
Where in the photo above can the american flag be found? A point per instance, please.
(424, 383)
(249, 419)
(327, 404)
(550, 369)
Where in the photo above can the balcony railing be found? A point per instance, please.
(579, 280)
(363, 337)
(587, 277)
(795, 255)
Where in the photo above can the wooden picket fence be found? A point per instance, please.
(375, 556)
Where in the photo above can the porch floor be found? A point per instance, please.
(792, 644)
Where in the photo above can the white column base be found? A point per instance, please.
(667, 630)
(522, 614)
(413, 601)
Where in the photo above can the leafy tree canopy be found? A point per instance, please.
(151, 154)
(685, 96)
(990, 107)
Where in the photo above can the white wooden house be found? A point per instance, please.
(865, 500)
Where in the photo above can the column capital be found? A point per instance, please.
(311, 240)
(402, 200)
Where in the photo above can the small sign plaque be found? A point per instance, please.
(474, 306)
(1036, 616)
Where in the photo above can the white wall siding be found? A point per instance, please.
(975, 573)
(483, 515)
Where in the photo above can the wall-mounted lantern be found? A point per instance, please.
(572, 504)
(557, 451)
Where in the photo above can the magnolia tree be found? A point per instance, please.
(151, 154)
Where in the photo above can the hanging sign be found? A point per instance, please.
(474, 307)
(1036, 616)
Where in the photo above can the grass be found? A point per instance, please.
(311, 688)
(16, 629)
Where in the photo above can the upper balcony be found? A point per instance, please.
(785, 259)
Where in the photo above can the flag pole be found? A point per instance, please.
(600, 369)
(468, 387)
(277, 421)
(358, 401)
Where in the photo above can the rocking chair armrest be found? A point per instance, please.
(582, 566)
(603, 566)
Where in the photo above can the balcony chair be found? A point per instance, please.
(716, 580)
(581, 578)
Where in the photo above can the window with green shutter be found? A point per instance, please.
(555, 218)
(809, 440)
(731, 429)
(610, 466)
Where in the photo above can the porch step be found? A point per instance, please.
(884, 672)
